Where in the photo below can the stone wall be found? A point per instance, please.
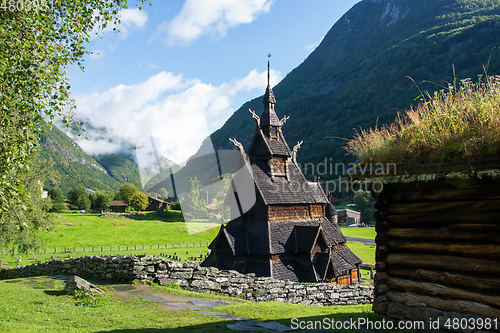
(192, 277)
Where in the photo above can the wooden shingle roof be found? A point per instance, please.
(295, 190)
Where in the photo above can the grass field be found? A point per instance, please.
(144, 234)
(40, 305)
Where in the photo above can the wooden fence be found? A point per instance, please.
(100, 249)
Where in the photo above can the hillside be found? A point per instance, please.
(358, 77)
(121, 168)
(75, 167)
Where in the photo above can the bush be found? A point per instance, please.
(140, 201)
(175, 205)
(58, 207)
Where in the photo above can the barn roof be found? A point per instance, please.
(158, 200)
(348, 213)
(119, 203)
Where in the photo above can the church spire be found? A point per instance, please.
(268, 73)
(269, 117)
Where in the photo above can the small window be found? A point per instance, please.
(274, 133)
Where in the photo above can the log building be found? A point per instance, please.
(287, 233)
(438, 241)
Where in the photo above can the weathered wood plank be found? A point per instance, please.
(430, 195)
(441, 206)
(439, 219)
(436, 289)
(440, 184)
(449, 263)
(462, 306)
(471, 281)
(475, 227)
(442, 234)
(462, 249)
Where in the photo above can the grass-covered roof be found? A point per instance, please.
(460, 123)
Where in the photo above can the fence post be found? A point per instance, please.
(102, 249)
(55, 250)
(143, 246)
(127, 247)
(74, 249)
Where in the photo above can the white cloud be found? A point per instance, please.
(178, 112)
(130, 19)
(216, 17)
(133, 17)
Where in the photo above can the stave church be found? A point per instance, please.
(290, 232)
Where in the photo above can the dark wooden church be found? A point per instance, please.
(288, 233)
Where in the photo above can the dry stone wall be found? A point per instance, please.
(201, 279)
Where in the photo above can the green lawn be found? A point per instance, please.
(102, 235)
(93, 230)
(365, 252)
(366, 232)
(40, 305)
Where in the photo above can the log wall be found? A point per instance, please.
(438, 248)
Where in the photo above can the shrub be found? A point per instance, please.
(140, 201)
(175, 205)
(58, 207)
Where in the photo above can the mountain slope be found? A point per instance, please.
(73, 165)
(121, 168)
(358, 75)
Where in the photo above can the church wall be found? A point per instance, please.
(289, 212)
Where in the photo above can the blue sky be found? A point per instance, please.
(181, 68)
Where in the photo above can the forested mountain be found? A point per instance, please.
(365, 70)
(359, 76)
(75, 167)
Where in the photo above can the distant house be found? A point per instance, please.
(118, 206)
(90, 191)
(155, 203)
(348, 217)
